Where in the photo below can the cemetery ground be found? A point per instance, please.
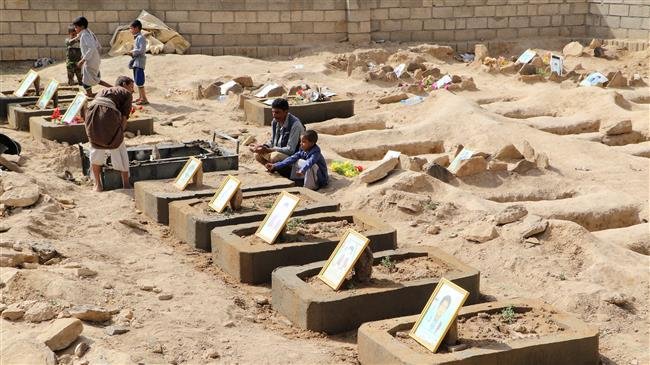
(591, 259)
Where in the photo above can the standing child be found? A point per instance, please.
(307, 165)
(90, 59)
(138, 60)
(73, 55)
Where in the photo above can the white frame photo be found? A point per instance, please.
(277, 217)
(343, 258)
(224, 193)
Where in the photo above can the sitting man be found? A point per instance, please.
(106, 118)
(285, 135)
(308, 166)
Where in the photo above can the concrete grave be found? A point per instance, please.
(575, 343)
(152, 197)
(330, 311)
(254, 261)
(171, 159)
(258, 112)
(191, 221)
(43, 128)
(18, 114)
(7, 97)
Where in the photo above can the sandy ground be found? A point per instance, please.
(596, 197)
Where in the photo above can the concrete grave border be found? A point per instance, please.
(254, 264)
(155, 203)
(344, 310)
(193, 226)
(42, 128)
(577, 344)
(258, 112)
(8, 98)
(18, 115)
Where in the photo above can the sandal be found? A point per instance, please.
(142, 102)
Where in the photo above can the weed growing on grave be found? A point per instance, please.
(387, 263)
(541, 71)
(508, 314)
(562, 277)
(431, 205)
(295, 223)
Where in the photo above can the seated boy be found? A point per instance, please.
(308, 166)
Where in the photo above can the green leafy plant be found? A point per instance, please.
(508, 314)
(294, 223)
(431, 205)
(541, 71)
(388, 263)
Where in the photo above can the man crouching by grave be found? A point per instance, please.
(105, 120)
(285, 136)
(308, 166)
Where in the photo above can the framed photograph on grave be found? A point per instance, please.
(277, 217)
(342, 260)
(27, 82)
(47, 94)
(526, 57)
(226, 191)
(438, 314)
(74, 108)
(190, 169)
(465, 154)
(557, 64)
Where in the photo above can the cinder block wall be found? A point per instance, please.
(30, 29)
(627, 19)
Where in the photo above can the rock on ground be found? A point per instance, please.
(90, 313)
(480, 232)
(573, 49)
(613, 128)
(472, 166)
(39, 312)
(532, 225)
(378, 171)
(508, 152)
(511, 213)
(393, 98)
(61, 333)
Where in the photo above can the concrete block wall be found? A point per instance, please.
(628, 19)
(461, 21)
(30, 29)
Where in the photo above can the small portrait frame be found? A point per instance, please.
(526, 57)
(342, 260)
(74, 108)
(224, 193)
(29, 79)
(432, 325)
(557, 64)
(277, 217)
(189, 170)
(47, 94)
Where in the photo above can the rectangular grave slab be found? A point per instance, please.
(43, 128)
(7, 97)
(192, 224)
(172, 159)
(258, 112)
(153, 196)
(338, 311)
(576, 344)
(254, 263)
(18, 114)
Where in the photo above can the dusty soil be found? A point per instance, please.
(484, 329)
(299, 231)
(589, 187)
(249, 204)
(392, 272)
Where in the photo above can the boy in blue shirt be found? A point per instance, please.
(138, 60)
(308, 165)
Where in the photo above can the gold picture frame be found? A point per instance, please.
(189, 170)
(224, 193)
(47, 94)
(436, 328)
(29, 79)
(342, 260)
(74, 108)
(275, 221)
